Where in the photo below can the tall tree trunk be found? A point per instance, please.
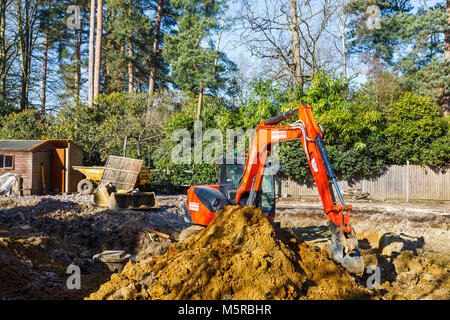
(98, 48)
(130, 69)
(91, 54)
(200, 94)
(130, 62)
(3, 60)
(152, 80)
(44, 67)
(77, 56)
(24, 36)
(446, 96)
(200, 103)
(343, 47)
(298, 76)
(219, 38)
(77, 65)
(447, 34)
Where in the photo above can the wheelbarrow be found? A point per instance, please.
(110, 181)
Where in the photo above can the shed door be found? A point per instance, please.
(58, 159)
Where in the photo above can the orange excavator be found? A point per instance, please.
(252, 184)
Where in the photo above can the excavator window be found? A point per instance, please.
(268, 195)
(231, 174)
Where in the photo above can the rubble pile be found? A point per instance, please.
(240, 255)
(41, 236)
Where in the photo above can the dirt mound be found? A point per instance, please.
(240, 255)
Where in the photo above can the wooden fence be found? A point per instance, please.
(408, 182)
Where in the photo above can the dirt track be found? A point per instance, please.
(41, 236)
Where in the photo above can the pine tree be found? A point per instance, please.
(68, 42)
(165, 20)
(129, 37)
(194, 63)
(412, 42)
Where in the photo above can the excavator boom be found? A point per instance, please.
(308, 131)
(343, 241)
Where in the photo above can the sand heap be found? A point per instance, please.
(240, 255)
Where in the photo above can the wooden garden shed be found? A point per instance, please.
(45, 166)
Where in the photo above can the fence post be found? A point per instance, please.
(168, 180)
(407, 180)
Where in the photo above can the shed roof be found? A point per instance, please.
(30, 145)
(19, 145)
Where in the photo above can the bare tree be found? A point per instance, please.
(298, 76)
(27, 11)
(343, 47)
(98, 48)
(91, 54)
(287, 34)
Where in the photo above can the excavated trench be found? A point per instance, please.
(41, 236)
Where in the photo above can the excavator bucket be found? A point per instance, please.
(133, 201)
(107, 198)
(344, 249)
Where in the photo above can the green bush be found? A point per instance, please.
(417, 132)
(21, 125)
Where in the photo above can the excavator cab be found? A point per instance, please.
(205, 200)
(231, 173)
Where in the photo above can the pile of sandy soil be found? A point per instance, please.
(240, 255)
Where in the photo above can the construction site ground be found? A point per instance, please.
(406, 244)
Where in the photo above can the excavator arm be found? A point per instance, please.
(344, 246)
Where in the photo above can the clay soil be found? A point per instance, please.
(239, 256)
(408, 242)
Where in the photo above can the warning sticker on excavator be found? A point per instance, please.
(278, 135)
(314, 165)
(194, 206)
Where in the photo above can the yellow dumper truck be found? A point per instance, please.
(115, 185)
(94, 175)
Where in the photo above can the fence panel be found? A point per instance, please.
(408, 182)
